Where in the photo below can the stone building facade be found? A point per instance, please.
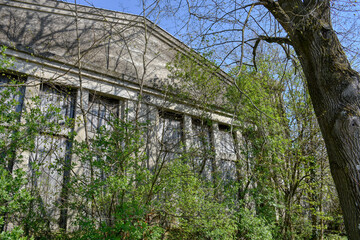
(97, 64)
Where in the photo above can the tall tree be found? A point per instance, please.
(333, 84)
(334, 90)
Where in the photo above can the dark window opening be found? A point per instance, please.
(101, 111)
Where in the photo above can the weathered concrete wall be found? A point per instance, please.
(123, 46)
(109, 41)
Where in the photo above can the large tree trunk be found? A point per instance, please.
(334, 89)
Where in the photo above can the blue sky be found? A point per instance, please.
(129, 6)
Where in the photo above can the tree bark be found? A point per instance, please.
(334, 89)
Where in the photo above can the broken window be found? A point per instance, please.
(226, 140)
(57, 103)
(101, 111)
(170, 134)
(11, 104)
(202, 145)
(227, 153)
(12, 98)
(50, 158)
(49, 162)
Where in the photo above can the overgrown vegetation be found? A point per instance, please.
(104, 188)
(283, 180)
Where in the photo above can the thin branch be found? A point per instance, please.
(242, 44)
(278, 40)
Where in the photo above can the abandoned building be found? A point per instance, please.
(94, 64)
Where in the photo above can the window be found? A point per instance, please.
(57, 103)
(170, 134)
(226, 150)
(202, 135)
(46, 163)
(101, 111)
(49, 160)
(203, 146)
(226, 140)
(227, 169)
(9, 94)
(11, 104)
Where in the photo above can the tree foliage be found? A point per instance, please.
(283, 182)
(314, 36)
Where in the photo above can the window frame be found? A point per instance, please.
(164, 118)
(99, 100)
